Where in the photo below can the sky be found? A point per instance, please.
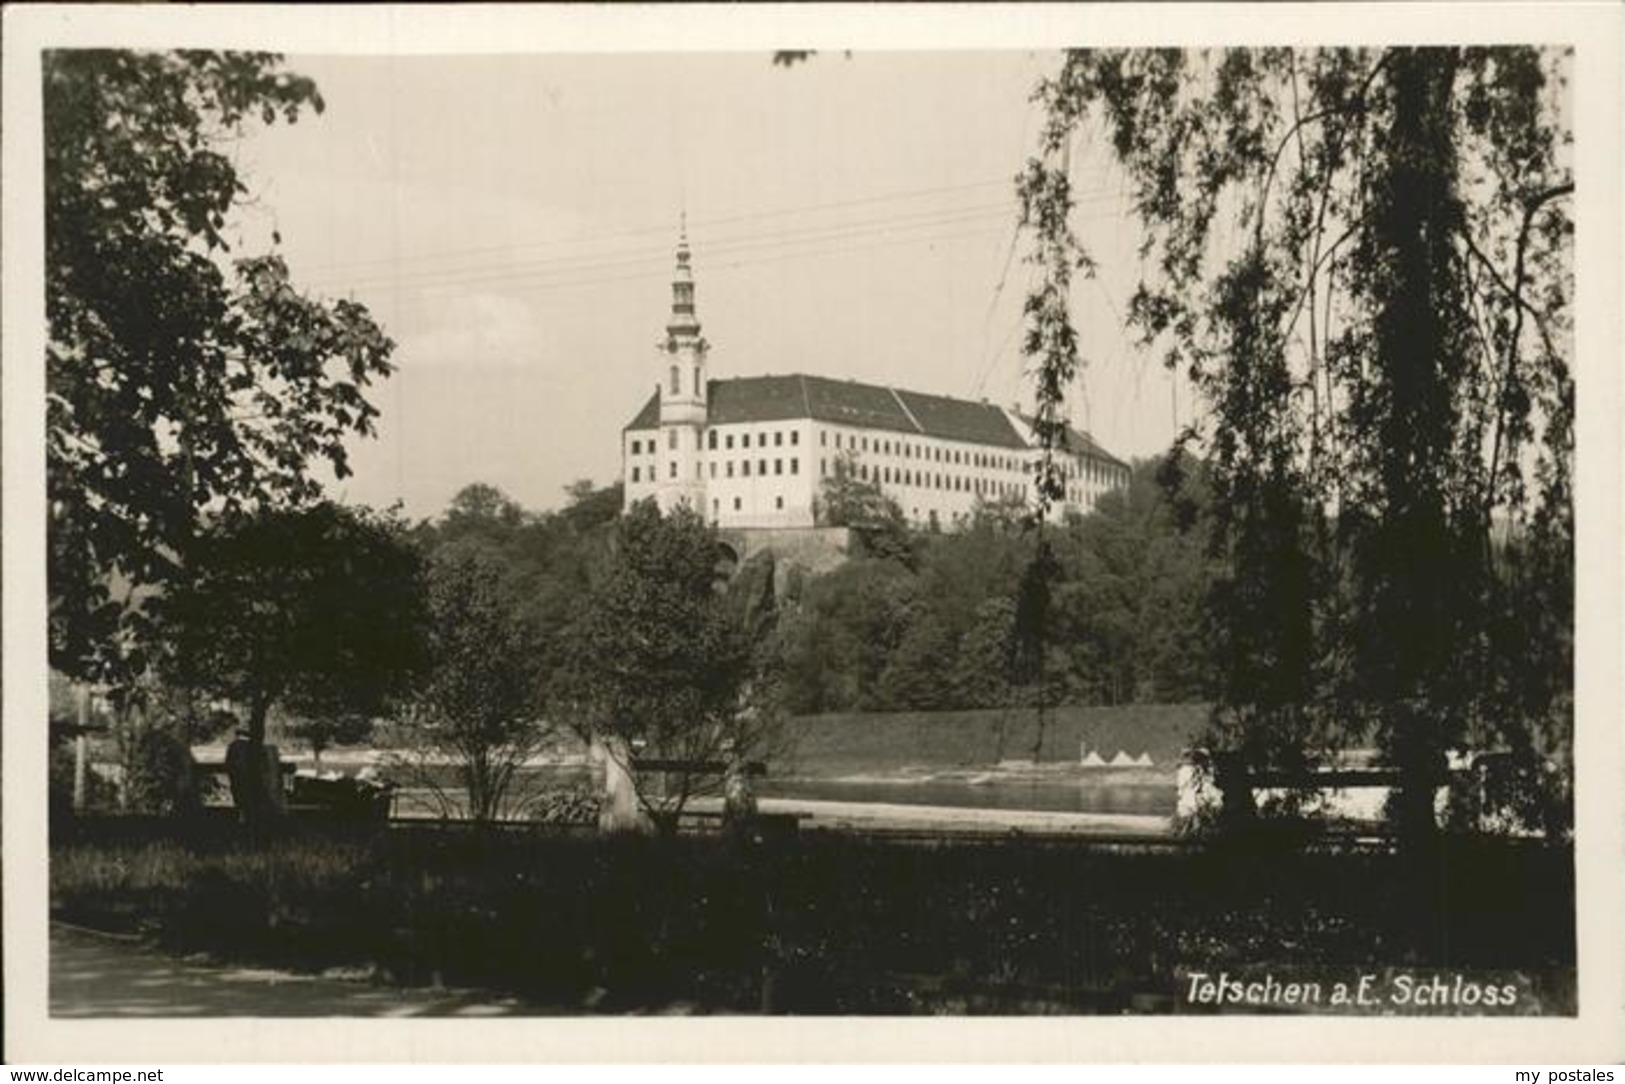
(511, 222)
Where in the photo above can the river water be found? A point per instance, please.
(1055, 790)
(1057, 795)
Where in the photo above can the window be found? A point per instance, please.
(673, 471)
(671, 439)
(729, 442)
(761, 467)
(866, 444)
(744, 468)
(795, 465)
(715, 508)
(674, 387)
(795, 437)
(634, 474)
(823, 439)
(778, 438)
(696, 380)
(778, 502)
(822, 469)
(711, 440)
(778, 466)
(736, 504)
(713, 470)
(636, 447)
(698, 468)
(730, 468)
(837, 440)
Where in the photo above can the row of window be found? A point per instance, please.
(883, 475)
(1089, 470)
(953, 483)
(906, 450)
(716, 505)
(638, 474)
(647, 447)
(761, 467)
(744, 439)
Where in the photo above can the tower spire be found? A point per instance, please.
(684, 326)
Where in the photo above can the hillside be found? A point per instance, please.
(876, 742)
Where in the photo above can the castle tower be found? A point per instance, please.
(682, 394)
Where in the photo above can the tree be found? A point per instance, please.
(178, 384)
(1362, 258)
(480, 706)
(322, 732)
(838, 645)
(662, 661)
(847, 498)
(480, 509)
(317, 609)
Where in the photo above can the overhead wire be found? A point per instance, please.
(592, 261)
(784, 244)
(665, 229)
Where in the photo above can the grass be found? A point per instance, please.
(820, 924)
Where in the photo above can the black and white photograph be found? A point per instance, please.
(525, 530)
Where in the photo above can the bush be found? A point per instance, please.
(159, 773)
(817, 924)
(100, 795)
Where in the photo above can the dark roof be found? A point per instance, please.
(649, 416)
(1080, 443)
(847, 402)
(756, 399)
(959, 419)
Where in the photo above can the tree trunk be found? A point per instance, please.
(1418, 594)
(620, 811)
(255, 772)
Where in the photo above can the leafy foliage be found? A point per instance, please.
(846, 498)
(1124, 618)
(322, 732)
(318, 609)
(178, 381)
(1362, 259)
(480, 705)
(663, 662)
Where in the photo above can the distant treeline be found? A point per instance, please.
(926, 621)
(931, 625)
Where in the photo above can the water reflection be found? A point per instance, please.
(1077, 796)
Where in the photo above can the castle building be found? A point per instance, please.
(753, 452)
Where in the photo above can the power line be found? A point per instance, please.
(656, 262)
(648, 254)
(545, 286)
(579, 261)
(665, 229)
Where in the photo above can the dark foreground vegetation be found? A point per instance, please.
(822, 923)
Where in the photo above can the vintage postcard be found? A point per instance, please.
(901, 533)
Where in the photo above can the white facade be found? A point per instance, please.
(754, 452)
